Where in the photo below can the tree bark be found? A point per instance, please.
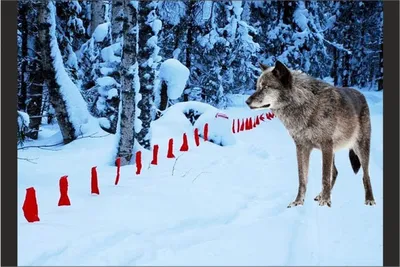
(189, 45)
(35, 90)
(147, 75)
(46, 31)
(23, 13)
(98, 14)
(380, 79)
(117, 19)
(129, 74)
(164, 96)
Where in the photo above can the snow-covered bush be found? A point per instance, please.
(23, 126)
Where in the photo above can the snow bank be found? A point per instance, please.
(175, 74)
(219, 129)
(200, 114)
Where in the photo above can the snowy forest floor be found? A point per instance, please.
(222, 206)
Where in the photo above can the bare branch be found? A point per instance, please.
(198, 176)
(61, 143)
(173, 167)
(186, 173)
(29, 160)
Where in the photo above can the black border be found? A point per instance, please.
(8, 127)
(9, 158)
(391, 133)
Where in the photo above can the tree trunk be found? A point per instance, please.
(189, 45)
(117, 19)
(147, 75)
(51, 56)
(334, 70)
(129, 76)
(35, 90)
(98, 14)
(23, 13)
(380, 79)
(164, 96)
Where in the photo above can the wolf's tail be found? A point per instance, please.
(355, 161)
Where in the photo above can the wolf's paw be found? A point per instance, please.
(323, 202)
(296, 203)
(317, 198)
(370, 202)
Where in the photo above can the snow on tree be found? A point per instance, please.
(23, 126)
(130, 84)
(71, 109)
(175, 74)
(173, 77)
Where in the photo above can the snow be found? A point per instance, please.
(175, 74)
(23, 119)
(105, 123)
(211, 206)
(156, 26)
(237, 7)
(112, 93)
(108, 53)
(106, 70)
(76, 106)
(101, 31)
(300, 16)
(106, 81)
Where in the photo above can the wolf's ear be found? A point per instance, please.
(263, 67)
(283, 74)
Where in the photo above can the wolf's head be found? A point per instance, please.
(272, 86)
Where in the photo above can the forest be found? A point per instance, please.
(109, 59)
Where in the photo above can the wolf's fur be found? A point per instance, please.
(317, 115)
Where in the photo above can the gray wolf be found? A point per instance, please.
(321, 116)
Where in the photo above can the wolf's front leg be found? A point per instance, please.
(327, 162)
(303, 159)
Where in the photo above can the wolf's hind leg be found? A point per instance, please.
(362, 151)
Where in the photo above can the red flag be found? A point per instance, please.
(155, 155)
(170, 154)
(206, 132)
(64, 199)
(196, 137)
(118, 162)
(30, 207)
(185, 146)
(138, 159)
(94, 182)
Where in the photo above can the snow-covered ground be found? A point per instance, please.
(216, 206)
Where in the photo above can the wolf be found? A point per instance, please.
(320, 116)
